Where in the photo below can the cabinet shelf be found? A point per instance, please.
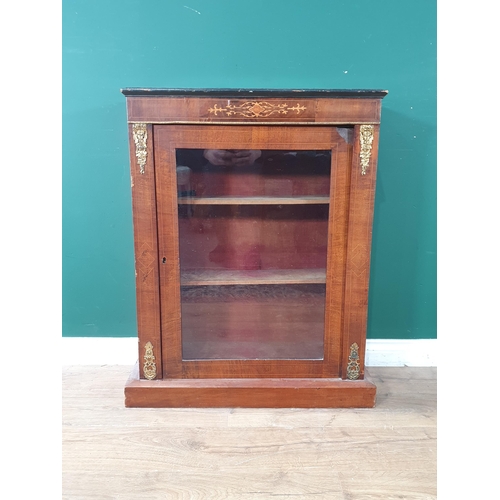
(256, 200)
(253, 277)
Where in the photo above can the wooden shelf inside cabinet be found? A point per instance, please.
(252, 215)
(253, 277)
(256, 200)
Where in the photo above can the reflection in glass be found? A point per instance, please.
(253, 241)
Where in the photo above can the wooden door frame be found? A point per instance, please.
(167, 139)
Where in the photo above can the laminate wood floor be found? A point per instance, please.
(112, 452)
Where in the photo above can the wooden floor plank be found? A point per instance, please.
(110, 452)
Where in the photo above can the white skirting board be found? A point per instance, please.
(124, 351)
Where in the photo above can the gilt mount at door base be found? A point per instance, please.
(353, 367)
(149, 362)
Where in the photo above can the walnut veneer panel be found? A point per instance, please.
(210, 110)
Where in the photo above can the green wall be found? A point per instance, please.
(111, 44)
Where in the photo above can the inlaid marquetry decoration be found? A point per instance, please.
(140, 133)
(145, 260)
(353, 366)
(365, 150)
(149, 362)
(359, 260)
(259, 109)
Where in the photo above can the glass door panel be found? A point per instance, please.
(253, 231)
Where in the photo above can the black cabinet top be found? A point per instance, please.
(234, 93)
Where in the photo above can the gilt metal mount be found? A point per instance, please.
(365, 150)
(149, 362)
(140, 133)
(353, 366)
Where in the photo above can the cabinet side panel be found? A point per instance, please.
(361, 203)
(146, 250)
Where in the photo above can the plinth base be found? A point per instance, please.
(248, 393)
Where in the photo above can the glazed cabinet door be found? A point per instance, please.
(252, 240)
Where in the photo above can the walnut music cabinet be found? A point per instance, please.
(253, 218)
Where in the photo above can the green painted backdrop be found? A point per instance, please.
(111, 44)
